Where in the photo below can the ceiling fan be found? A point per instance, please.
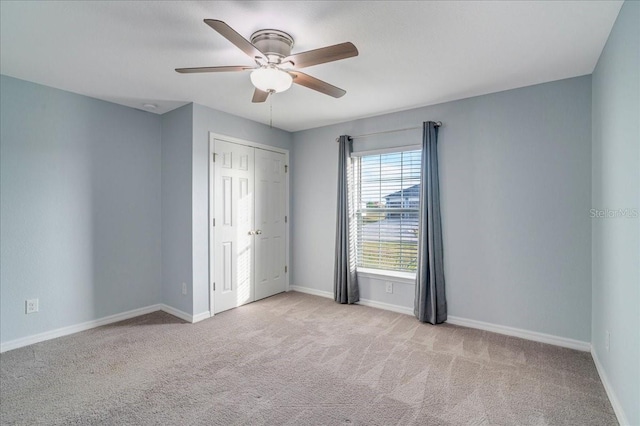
(276, 67)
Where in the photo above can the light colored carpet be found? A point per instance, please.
(297, 359)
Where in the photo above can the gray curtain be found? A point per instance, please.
(430, 301)
(345, 283)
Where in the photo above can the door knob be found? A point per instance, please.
(259, 231)
(251, 232)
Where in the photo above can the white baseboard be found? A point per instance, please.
(185, 316)
(363, 302)
(615, 402)
(495, 328)
(201, 316)
(521, 333)
(312, 291)
(65, 331)
(176, 312)
(501, 329)
(386, 306)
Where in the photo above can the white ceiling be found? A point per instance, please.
(411, 53)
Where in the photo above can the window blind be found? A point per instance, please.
(388, 201)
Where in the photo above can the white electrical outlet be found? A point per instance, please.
(607, 342)
(389, 287)
(184, 289)
(31, 306)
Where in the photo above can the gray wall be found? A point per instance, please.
(207, 120)
(79, 208)
(515, 189)
(616, 185)
(104, 207)
(177, 131)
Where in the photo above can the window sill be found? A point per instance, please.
(382, 275)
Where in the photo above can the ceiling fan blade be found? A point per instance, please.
(313, 83)
(322, 55)
(212, 69)
(232, 35)
(259, 96)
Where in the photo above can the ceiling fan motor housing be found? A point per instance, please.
(275, 44)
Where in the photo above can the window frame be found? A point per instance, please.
(405, 277)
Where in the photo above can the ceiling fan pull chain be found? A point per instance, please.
(271, 112)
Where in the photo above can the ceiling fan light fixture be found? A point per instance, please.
(271, 79)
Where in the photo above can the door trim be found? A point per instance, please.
(212, 137)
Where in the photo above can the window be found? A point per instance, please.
(387, 201)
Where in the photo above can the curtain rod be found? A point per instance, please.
(438, 124)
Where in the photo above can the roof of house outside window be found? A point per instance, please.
(412, 191)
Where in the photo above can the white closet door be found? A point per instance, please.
(270, 238)
(234, 216)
